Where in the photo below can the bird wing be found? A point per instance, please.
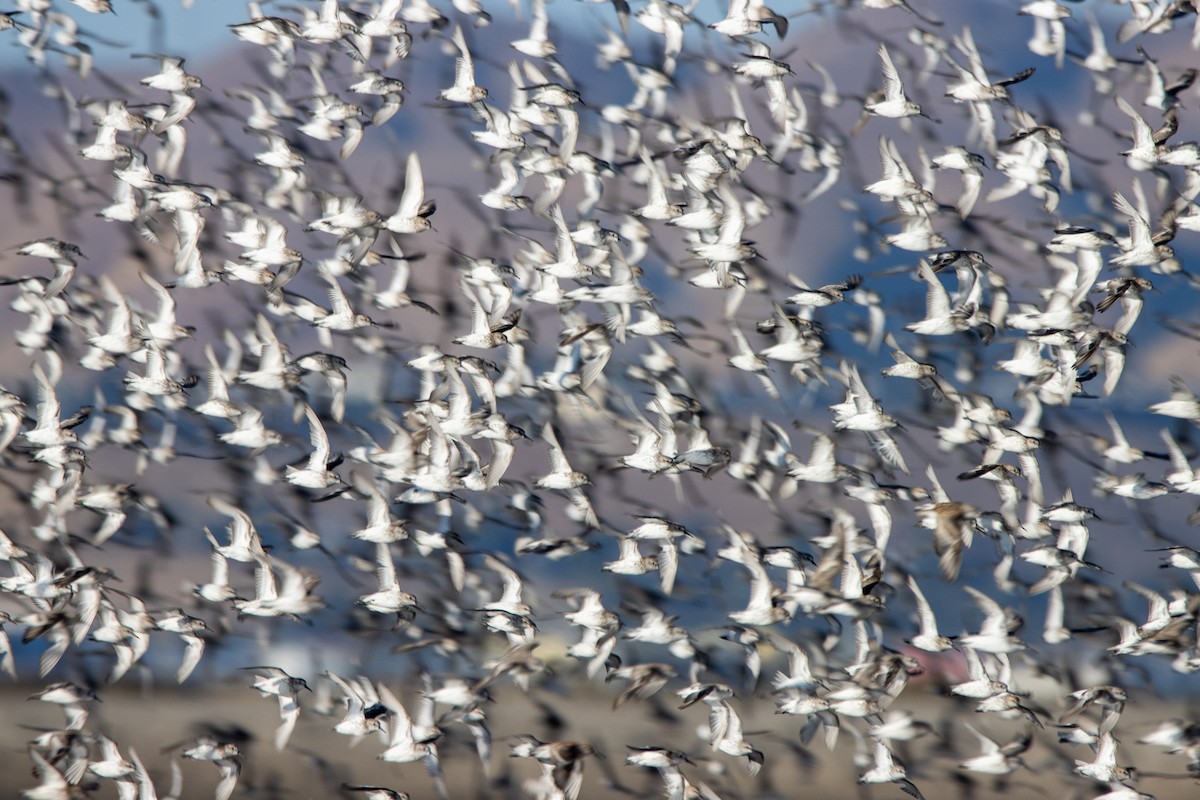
(668, 564)
(414, 188)
(264, 581)
(822, 452)
(338, 302)
(993, 623)
(319, 439)
(558, 459)
(402, 732)
(230, 770)
(192, 652)
(567, 252)
(385, 568)
(893, 88)
(937, 300)
(925, 617)
(1139, 228)
(1142, 135)
(464, 67)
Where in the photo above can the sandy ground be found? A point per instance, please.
(317, 760)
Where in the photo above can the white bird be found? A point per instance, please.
(53, 786)
(226, 757)
(631, 560)
(112, 766)
(822, 466)
(761, 608)
(381, 527)
(155, 382)
(273, 681)
(189, 629)
(510, 601)
(568, 266)
(245, 545)
(316, 473)
(994, 635)
(893, 104)
(412, 215)
(969, 165)
(928, 639)
(726, 734)
(898, 179)
(292, 597)
(995, 759)
(537, 44)
(359, 694)
(485, 333)
(464, 89)
(561, 476)
(1139, 249)
(72, 698)
(1181, 405)
(389, 599)
(886, 769)
(403, 745)
(940, 319)
(657, 205)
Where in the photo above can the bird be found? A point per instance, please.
(53, 784)
(1182, 403)
(412, 215)
(273, 681)
(404, 746)
(886, 769)
(561, 476)
(994, 758)
(928, 639)
(388, 599)
(74, 700)
(315, 474)
(361, 697)
(225, 756)
(995, 635)
(189, 629)
(377, 792)
(893, 103)
(464, 90)
(940, 319)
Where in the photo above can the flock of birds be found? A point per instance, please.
(576, 435)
